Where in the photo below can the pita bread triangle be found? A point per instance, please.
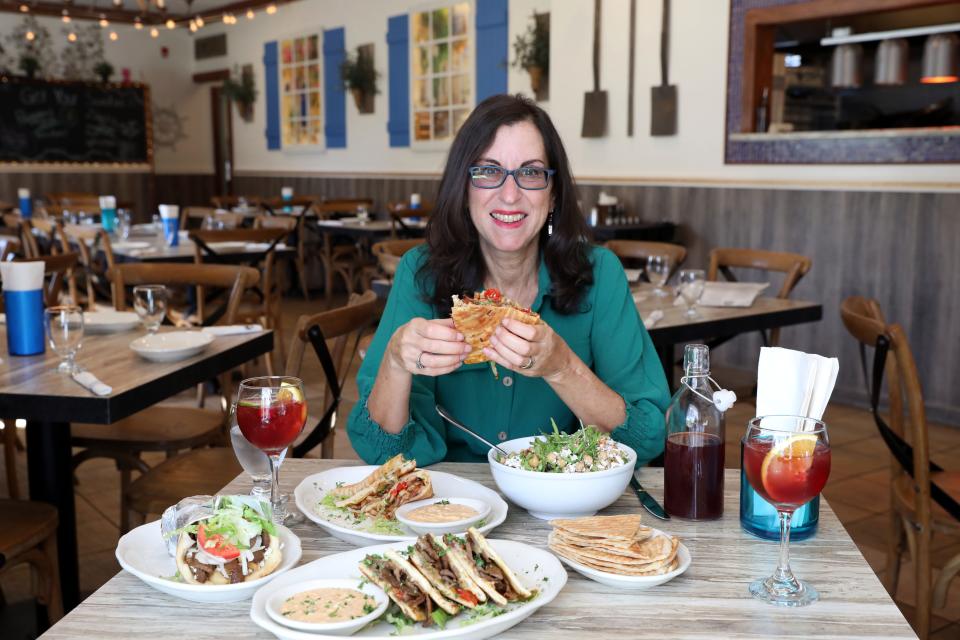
(619, 528)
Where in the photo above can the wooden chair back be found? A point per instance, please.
(228, 202)
(275, 204)
(401, 213)
(634, 253)
(56, 270)
(389, 252)
(337, 333)
(73, 199)
(233, 278)
(329, 206)
(96, 258)
(9, 247)
(6, 207)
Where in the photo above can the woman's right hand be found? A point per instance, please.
(428, 347)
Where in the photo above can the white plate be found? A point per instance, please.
(274, 606)
(631, 582)
(123, 245)
(227, 246)
(536, 569)
(481, 507)
(309, 493)
(110, 321)
(143, 553)
(171, 346)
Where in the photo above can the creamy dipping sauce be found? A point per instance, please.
(328, 605)
(441, 512)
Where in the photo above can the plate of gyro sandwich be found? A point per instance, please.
(359, 504)
(444, 586)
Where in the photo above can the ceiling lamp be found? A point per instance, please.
(940, 59)
(891, 64)
(271, 9)
(845, 66)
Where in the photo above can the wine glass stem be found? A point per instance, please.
(275, 502)
(783, 574)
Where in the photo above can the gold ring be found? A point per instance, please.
(528, 363)
(420, 364)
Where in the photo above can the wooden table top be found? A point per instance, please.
(31, 388)
(709, 600)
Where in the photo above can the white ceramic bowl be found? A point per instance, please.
(456, 526)
(143, 553)
(110, 321)
(171, 346)
(344, 628)
(560, 495)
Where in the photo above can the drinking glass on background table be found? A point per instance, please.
(658, 272)
(690, 286)
(124, 222)
(271, 412)
(150, 303)
(787, 462)
(64, 326)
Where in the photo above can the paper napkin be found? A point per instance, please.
(91, 382)
(794, 383)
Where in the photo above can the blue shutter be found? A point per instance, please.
(398, 77)
(272, 86)
(335, 110)
(491, 48)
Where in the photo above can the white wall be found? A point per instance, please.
(170, 81)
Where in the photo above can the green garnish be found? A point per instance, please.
(440, 617)
(399, 621)
(587, 449)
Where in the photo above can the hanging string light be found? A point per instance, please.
(271, 9)
(65, 16)
(154, 33)
(137, 24)
(118, 3)
(170, 23)
(103, 21)
(24, 8)
(113, 36)
(72, 37)
(30, 35)
(200, 22)
(193, 26)
(250, 14)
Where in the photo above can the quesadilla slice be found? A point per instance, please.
(406, 586)
(436, 563)
(407, 488)
(378, 487)
(478, 316)
(485, 566)
(395, 466)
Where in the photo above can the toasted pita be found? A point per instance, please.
(656, 550)
(614, 546)
(594, 560)
(625, 527)
(477, 322)
(391, 466)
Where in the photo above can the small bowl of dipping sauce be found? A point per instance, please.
(334, 607)
(442, 514)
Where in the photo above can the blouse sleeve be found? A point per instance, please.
(626, 361)
(424, 435)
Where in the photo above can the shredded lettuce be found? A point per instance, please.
(386, 526)
(440, 617)
(400, 622)
(483, 612)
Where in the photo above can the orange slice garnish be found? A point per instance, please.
(792, 457)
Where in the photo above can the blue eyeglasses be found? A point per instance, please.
(492, 177)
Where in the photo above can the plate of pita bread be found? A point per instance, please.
(618, 551)
(358, 504)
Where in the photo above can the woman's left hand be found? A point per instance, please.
(532, 350)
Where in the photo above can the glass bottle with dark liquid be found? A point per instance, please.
(694, 448)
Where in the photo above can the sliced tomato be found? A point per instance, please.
(467, 597)
(215, 545)
(397, 489)
(493, 295)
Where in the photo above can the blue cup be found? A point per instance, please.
(26, 204)
(24, 309)
(759, 517)
(171, 231)
(108, 219)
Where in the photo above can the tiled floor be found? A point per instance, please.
(857, 491)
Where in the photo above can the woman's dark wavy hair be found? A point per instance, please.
(454, 261)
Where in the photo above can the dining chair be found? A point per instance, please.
(9, 247)
(229, 202)
(193, 217)
(276, 205)
(634, 253)
(346, 206)
(6, 207)
(924, 498)
(388, 254)
(167, 428)
(294, 225)
(401, 215)
(95, 248)
(206, 471)
(29, 536)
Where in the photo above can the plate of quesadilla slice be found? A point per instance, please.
(435, 591)
(358, 504)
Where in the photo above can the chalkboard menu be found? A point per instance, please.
(74, 122)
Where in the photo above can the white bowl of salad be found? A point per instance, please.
(561, 475)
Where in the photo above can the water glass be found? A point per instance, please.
(124, 223)
(150, 303)
(690, 287)
(64, 326)
(658, 272)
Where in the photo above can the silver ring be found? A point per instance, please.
(528, 363)
(420, 364)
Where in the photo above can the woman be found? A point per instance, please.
(506, 217)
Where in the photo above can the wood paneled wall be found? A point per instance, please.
(898, 247)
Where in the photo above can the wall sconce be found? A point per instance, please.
(940, 59)
(890, 67)
(845, 66)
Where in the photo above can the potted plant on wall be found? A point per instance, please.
(29, 65)
(360, 77)
(532, 53)
(104, 69)
(243, 93)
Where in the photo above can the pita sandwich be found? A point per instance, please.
(407, 488)
(436, 563)
(478, 316)
(485, 566)
(395, 466)
(406, 586)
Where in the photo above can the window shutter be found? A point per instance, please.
(335, 109)
(398, 77)
(272, 87)
(492, 38)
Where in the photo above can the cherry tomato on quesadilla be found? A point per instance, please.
(493, 295)
(215, 545)
(466, 596)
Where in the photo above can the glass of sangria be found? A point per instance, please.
(787, 462)
(271, 412)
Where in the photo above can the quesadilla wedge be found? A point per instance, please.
(478, 559)
(436, 563)
(478, 316)
(378, 487)
(407, 488)
(406, 586)
(395, 466)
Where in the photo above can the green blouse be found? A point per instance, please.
(608, 336)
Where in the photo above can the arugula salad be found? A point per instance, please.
(585, 450)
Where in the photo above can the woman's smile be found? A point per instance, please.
(508, 219)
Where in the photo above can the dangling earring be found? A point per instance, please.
(550, 224)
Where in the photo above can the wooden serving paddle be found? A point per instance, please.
(663, 110)
(595, 102)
